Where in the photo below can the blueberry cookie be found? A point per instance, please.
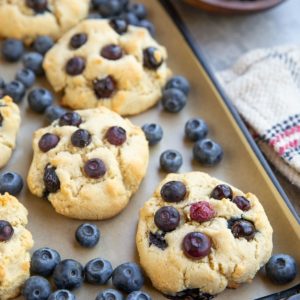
(201, 235)
(101, 63)
(88, 163)
(27, 19)
(15, 242)
(9, 125)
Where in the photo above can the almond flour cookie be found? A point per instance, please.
(108, 63)
(15, 242)
(88, 163)
(9, 125)
(201, 235)
(27, 19)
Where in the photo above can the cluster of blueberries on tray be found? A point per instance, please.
(69, 274)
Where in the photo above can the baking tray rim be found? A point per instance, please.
(229, 107)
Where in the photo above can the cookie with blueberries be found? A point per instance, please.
(10, 120)
(201, 236)
(108, 63)
(28, 19)
(88, 163)
(15, 244)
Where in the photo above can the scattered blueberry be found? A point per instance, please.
(170, 161)
(148, 25)
(138, 9)
(34, 62)
(68, 274)
(36, 288)
(62, 295)
(12, 50)
(138, 295)
(130, 18)
(196, 129)
(109, 8)
(180, 83)
(98, 271)
(11, 182)
(16, 90)
(87, 235)
(54, 112)
(173, 100)
(43, 44)
(44, 261)
(128, 277)
(110, 294)
(208, 152)
(26, 76)
(281, 268)
(2, 83)
(153, 133)
(39, 99)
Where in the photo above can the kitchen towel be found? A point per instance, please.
(264, 86)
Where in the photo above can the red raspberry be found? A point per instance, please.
(202, 211)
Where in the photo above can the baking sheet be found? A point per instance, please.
(240, 167)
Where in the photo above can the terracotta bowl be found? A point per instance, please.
(234, 6)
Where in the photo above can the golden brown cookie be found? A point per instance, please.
(201, 235)
(94, 66)
(88, 163)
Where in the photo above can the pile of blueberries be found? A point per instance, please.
(205, 151)
(69, 274)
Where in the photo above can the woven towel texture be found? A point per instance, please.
(264, 85)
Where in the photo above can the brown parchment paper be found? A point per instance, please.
(239, 167)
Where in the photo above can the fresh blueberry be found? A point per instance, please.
(68, 274)
(98, 271)
(110, 294)
(153, 133)
(138, 295)
(2, 83)
(207, 152)
(62, 295)
(16, 90)
(109, 8)
(95, 3)
(170, 161)
(12, 50)
(54, 112)
(128, 277)
(179, 83)
(87, 235)
(34, 62)
(36, 288)
(148, 25)
(281, 268)
(130, 18)
(173, 100)
(43, 44)
(44, 261)
(138, 9)
(11, 183)
(26, 76)
(196, 129)
(39, 99)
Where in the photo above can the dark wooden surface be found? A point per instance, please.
(224, 38)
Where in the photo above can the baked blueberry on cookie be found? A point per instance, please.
(9, 125)
(201, 235)
(15, 242)
(28, 19)
(88, 163)
(98, 64)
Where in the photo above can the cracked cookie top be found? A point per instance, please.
(15, 242)
(10, 120)
(95, 64)
(201, 235)
(27, 19)
(88, 163)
